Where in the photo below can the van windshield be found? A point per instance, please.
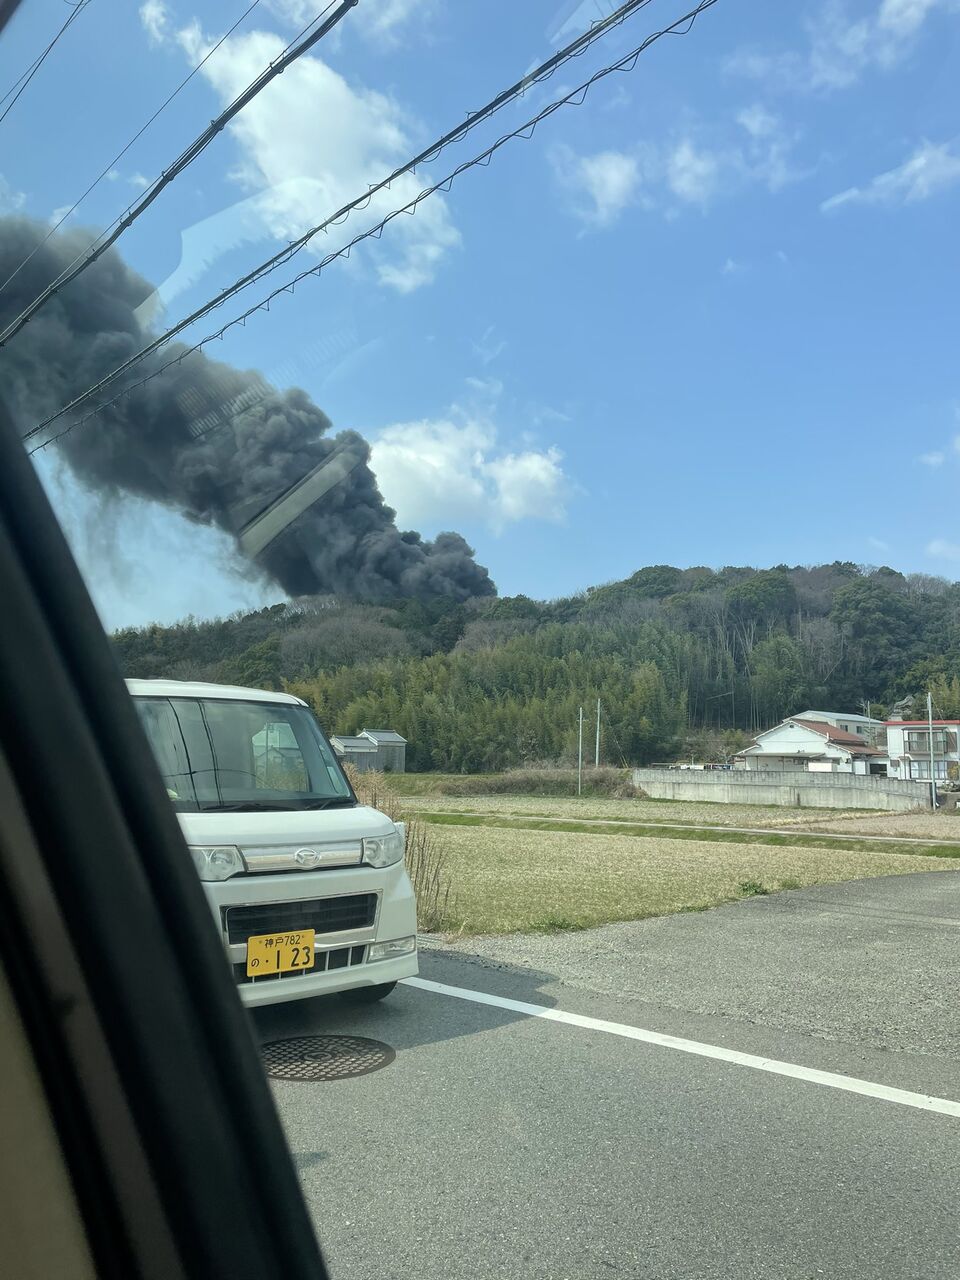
(219, 753)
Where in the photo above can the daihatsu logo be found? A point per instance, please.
(307, 857)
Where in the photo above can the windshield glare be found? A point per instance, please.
(230, 754)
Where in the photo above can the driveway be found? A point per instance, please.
(770, 1089)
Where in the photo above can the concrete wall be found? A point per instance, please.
(791, 788)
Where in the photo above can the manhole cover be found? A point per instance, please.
(324, 1057)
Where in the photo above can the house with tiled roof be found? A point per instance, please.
(812, 742)
(909, 748)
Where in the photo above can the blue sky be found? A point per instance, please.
(709, 317)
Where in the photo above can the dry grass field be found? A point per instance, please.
(506, 880)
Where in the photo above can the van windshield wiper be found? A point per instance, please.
(271, 806)
(247, 806)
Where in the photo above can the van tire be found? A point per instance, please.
(368, 995)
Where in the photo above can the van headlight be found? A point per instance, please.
(217, 861)
(390, 950)
(383, 851)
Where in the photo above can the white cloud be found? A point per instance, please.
(488, 346)
(59, 214)
(758, 121)
(529, 485)
(769, 147)
(489, 388)
(685, 171)
(603, 184)
(731, 267)
(839, 49)
(139, 181)
(943, 549)
(935, 458)
(692, 174)
(620, 97)
(387, 17)
(311, 141)
(437, 470)
(382, 20)
(878, 544)
(11, 200)
(931, 169)
(155, 17)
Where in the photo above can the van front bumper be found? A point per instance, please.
(350, 908)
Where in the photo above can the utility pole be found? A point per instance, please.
(580, 756)
(596, 761)
(933, 780)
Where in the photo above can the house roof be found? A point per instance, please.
(829, 731)
(839, 715)
(896, 724)
(383, 735)
(839, 737)
(348, 743)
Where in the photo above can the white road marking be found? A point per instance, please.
(830, 1079)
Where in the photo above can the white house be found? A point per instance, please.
(908, 749)
(817, 746)
(864, 726)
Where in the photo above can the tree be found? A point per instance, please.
(490, 683)
(257, 668)
(877, 626)
(767, 597)
(656, 581)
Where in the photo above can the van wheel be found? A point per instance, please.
(368, 995)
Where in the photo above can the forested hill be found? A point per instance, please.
(682, 659)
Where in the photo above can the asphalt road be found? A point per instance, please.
(499, 1144)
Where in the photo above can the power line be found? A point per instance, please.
(195, 149)
(120, 154)
(524, 131)
(19, 81)
(39, 61)
(537, 76)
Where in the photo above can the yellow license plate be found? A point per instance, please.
(280, 952)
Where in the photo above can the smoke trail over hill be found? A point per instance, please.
(215, 443)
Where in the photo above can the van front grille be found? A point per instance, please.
(340, 958)
(325, 915)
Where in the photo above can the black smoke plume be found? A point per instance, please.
(215, 443)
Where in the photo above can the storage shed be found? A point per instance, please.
(391, 749)
(358, 751)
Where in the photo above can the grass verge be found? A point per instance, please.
(425, 854)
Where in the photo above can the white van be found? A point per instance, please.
(307, 886)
